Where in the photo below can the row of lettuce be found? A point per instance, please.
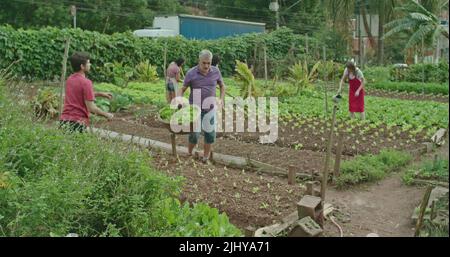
(410, 114)
(53, 184)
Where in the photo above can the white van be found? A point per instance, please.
(154, 33)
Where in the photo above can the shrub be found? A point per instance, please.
(145, 72)
(429, 170)
(414, 87)
(377, 74)
(52, 184)
(46, 104)
(423, 72)
(119, 73)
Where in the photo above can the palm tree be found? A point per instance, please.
(419, 22)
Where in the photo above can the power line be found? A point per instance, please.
(81, 7)
(291, 6)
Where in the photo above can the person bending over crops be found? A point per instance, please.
(356, 91)
(173, 78)
(80, 96)
(202, 80)
(215, 61)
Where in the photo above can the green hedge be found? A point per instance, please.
(41, 50)
(52, 184)
(427, 88)
(377, 74)
(426, 72)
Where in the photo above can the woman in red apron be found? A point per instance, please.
(356, 91)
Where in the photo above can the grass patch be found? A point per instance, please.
(439, 225)
(436, 169)
(369, 168)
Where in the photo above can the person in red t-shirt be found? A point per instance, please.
(80, 96)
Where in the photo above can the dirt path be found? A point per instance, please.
(384, 208)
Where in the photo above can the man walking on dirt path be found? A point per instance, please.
(80, 96)
(202, 80)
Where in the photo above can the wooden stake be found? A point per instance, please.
(325, 84)
(254, 56)
(307, 46)
(337, 163)
(250, 231)
(310, 188)
(328, 155)
(423, 208)
(165, 60)
(265, 65)
(433, 210)
(63, 75)
(291, 175)
(174, 144)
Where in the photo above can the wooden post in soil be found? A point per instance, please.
(324, 82)
(423, 208)
(291, 175)
(165, 60)
(63, 75)
(255, 53)
(173, 140)
(265, 66)
(307, 45)
(328, 156)
(337, 162)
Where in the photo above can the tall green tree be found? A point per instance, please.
(340, 12)
(420, 22)
(98, 15)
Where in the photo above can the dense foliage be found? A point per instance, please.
(41, 51)
(52, 184)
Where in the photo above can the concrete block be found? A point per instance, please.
(310, 206)
(306, 227)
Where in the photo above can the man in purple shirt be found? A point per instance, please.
(202, 80)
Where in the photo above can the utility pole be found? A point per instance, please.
(274, 6)
(359, 34)
(73, 12)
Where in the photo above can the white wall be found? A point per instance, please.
(167, 22)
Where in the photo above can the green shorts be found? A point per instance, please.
(210, 137)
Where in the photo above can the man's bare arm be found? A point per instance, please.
(92, 108)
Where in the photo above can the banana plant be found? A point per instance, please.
(247, 81)
(146, 72)
(121, 73)
(301, 77)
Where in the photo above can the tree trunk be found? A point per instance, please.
(367, 28)
(106, 24)
(380, 52)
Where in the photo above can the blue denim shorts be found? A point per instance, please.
(170, 86)
(210, 137)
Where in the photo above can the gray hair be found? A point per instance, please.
(205, 54)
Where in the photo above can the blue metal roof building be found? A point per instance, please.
(200, 27)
